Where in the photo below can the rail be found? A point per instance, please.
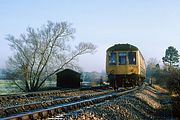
(55, 107)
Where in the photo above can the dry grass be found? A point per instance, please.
(161, 89)
(175, 100)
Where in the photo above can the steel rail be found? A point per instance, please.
(55, 109)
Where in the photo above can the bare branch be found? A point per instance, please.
(41, 53)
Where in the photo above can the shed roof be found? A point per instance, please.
(68, 71)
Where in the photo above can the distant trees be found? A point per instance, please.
(168, 75)
(98, 78)
(171, 57)
(40, 54)
(2, 74)
(171, 75)
(91, 76)
(151, 67)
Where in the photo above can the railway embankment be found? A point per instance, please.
(148, 103)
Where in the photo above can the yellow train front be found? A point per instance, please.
(125, 66)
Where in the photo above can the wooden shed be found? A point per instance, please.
(68, 79)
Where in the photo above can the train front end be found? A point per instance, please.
(124, 65)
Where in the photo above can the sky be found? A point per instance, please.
(151, 25)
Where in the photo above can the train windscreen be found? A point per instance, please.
(112, 58)
(122, 58)
(132, 57)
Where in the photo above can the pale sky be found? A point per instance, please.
(151, 25)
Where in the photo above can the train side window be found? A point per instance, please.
(122, 58)
(112, 58)
(132, 57)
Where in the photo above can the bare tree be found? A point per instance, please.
(40, 54)
(152, 69)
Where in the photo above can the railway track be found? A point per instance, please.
(54, 107)
(25, 98)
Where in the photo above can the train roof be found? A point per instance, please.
(122, 47)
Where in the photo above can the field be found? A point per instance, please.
(8, 87)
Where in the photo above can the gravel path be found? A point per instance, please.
(146, 104)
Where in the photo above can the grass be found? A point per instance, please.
(8, 87)
(175, 100)
(161, 89)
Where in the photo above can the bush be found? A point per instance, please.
(169, 78)
(174, 81)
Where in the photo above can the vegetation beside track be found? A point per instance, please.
(175, 100)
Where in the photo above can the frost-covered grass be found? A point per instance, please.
(8, 87)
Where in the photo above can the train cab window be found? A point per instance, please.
(122, 58)
(132, 57)
(112, 58)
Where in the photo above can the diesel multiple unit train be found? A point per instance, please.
(125, 66)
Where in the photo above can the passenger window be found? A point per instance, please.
(112, 58)
(122, 58)
(132, 57)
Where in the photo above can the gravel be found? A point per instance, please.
(145, 104)
(14, 100)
